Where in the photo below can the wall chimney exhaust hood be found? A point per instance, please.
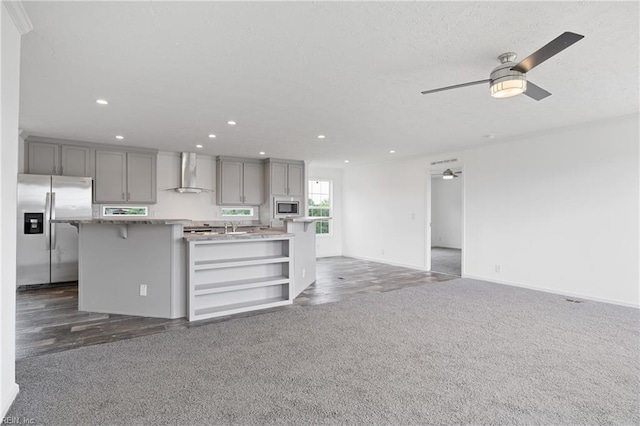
(188, 177)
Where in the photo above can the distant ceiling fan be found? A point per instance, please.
(509, 79)
(448, 174)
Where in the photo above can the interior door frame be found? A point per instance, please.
(439, 168)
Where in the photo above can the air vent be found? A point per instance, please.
(451, 160)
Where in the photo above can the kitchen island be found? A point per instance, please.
(150, 267)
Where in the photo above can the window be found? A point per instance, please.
(125, 211)
(240, 211)
(320, 201)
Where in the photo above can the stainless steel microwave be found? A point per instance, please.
(284, 208)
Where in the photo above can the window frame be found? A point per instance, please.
(330, 220)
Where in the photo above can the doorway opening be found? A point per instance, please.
(446, 221)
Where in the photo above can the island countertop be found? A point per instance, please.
(304, 219)
(231, 236)
(122, 221)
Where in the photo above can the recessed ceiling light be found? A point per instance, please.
(212, 136)
(346, 161)
(490, 136)
(102, 102)
(321, 136)
(231, 123)
(392, 152)
(262, 153)
(198, 146)
(119, 137)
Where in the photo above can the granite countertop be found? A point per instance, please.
(122, 221)
(304, 219)
(245, 236)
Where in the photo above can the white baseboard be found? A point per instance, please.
(553, 291)
(318, 256)
(386, 262)
(11, 396)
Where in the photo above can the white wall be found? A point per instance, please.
(446, 212)
(558, 211)
(21, 138)
(9, 95)
(330, 245)
(384, 212)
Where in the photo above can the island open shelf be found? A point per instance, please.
(228, 276)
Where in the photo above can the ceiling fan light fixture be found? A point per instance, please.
(507, 88)
(448, 174)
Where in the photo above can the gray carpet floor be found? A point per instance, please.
(446, 260)
(455, 352)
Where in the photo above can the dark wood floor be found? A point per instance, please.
(48, 319)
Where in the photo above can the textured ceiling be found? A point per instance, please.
(173, 72)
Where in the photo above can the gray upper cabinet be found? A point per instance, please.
(43, 158)
(75, 161)
(239, 181)
(287, 178)
(252, 183)
(111, 177)
(295, 178)
(279, 182)
(125, 177)
(120, 176)
(229, 181)
(141, 177)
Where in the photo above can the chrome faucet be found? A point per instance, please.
(233, 225)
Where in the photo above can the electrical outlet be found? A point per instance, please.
(498, 268)
(143, 289)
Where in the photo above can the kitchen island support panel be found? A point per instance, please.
(112, 270)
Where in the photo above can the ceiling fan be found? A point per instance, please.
(448, 174)
(509, 78)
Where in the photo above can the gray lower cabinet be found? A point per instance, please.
(45, 158)
(287, 178)
(239, 181)
(125, 177)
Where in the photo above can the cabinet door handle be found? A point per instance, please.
(61, 170)
(128, 195)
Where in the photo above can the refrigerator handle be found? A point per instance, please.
(47, 222)
(53, 225)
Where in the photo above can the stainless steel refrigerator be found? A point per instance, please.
(48, 252)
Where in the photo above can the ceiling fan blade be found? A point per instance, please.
(552, 48)
(536, 92)
(473, 83)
